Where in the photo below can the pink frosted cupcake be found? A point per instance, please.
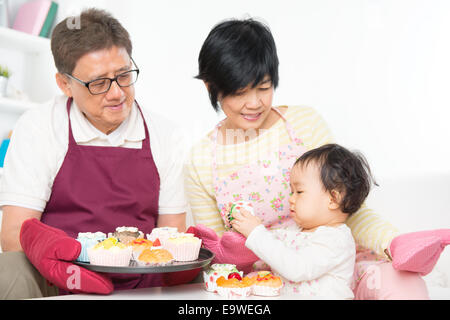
(110, 252)
(183, 246)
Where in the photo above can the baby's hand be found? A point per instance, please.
(244, 222)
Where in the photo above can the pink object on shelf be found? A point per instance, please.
(31, 16)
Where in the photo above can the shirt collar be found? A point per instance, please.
(131, 129)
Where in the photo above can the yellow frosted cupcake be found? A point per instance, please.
(110, 252)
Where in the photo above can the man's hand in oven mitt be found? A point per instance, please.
(418, 251)
(230, 248)
(51, 251)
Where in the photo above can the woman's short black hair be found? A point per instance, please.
(342, 170)
(237, 53)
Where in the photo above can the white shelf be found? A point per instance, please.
(15, 106)
(24, 42)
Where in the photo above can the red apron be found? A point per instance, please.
(101, 188)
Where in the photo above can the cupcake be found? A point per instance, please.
(218, 270)
(183, 246)
(110, 252)
(156, 245)
(88, 240)
(138, 246)
(266, 284)
(156, 257)
(234, 287)
(162, 233)
(228, 216)
(127, 234)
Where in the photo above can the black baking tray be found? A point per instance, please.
(204, 259)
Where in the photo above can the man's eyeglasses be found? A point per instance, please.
(102, 85)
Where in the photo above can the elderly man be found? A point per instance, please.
(92, 161)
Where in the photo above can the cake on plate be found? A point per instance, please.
(161, 233)
(139, 245)
(234, 287)
(88, 240)
(156, 257)
(127, 234)
(183, 246)
(266, 284)
(217, 270)
(110, 252)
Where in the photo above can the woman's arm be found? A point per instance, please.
(371, 231)
(198, 180)
(12, 220)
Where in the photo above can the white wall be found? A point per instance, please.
(378, 71)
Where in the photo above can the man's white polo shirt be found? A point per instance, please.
(40, 141)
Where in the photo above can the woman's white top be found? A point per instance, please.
(319, 263)
(39, 144)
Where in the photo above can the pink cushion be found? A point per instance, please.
(418, 251)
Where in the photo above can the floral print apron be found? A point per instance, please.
(264, 183)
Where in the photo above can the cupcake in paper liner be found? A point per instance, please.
(88, 240)
(234, 288)
(161, 233)
(266, 284)
(216, 271)
(139, 245)
(183, 246)
(227, 216)
(155, 257)
(110, 252)
(127, 234)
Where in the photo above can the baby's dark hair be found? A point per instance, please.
(342, 170)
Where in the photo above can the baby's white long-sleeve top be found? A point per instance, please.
(319, 263)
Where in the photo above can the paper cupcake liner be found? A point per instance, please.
(266, 291)
(210, 282)
(85, 245)
(234, 293)
(104, 257)
(187, 251)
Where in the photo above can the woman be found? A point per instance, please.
(248, 156)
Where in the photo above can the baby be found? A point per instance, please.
(316, 255)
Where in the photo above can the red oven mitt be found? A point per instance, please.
(51, 251)
(230, 248)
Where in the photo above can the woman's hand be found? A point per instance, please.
(244, 222)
